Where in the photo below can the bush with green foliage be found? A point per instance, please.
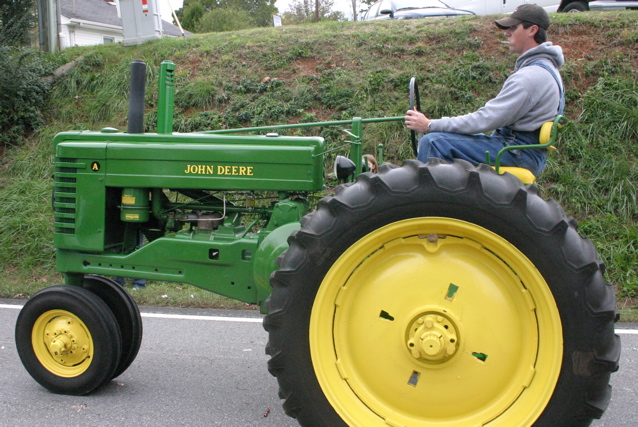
(192, 16)
(16, 21)
(205, 16)
(223, 19)
(23, 92)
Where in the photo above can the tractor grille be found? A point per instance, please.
(64, 194)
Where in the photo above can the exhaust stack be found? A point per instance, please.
(136, 97)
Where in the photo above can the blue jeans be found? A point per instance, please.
(450, 146)
(137, 283)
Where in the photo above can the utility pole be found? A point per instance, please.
(48, 19)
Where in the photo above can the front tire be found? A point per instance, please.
(126, 313)
(441, 295)
(68, 340)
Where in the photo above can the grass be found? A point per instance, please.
(338, 71)
(628, 314)
(163, 294)
(18, 285)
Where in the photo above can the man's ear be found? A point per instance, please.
(533, 30)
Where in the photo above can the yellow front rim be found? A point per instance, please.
(435, 321)
(62, 343)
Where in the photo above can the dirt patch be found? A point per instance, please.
(307, 66)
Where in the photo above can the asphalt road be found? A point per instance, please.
(196, 370)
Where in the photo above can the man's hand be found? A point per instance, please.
(417, 121)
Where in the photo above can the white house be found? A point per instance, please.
(91, 22)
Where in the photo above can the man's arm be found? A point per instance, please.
(512, 103)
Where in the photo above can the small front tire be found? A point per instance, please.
(126, 313)
(68, 340)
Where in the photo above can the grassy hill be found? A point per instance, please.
(333, 71)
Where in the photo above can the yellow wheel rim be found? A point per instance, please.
(62, 343)
(435, 321)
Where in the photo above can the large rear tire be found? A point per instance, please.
(68, 340)
(441, 295)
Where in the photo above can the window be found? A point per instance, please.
(108, 39)
(373, 11)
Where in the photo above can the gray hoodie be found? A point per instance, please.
(529, 98)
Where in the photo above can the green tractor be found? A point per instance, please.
(423, 295)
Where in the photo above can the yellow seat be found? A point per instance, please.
(525, 175)
(546, 139)
(545, 135)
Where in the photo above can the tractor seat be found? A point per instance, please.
(525, 175)
(546, 140)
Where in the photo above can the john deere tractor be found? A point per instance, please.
(422, 295)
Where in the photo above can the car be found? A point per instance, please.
(411, 9)
(495, 7)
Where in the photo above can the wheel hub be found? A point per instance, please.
(433, 338)
(65, 341)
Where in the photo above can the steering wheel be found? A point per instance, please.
(415, 102)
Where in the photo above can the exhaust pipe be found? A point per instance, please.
(136, 97)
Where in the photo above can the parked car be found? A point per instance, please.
(495, 7)
(603, 5)
(411, 9)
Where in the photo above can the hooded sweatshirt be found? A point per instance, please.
(528, 98)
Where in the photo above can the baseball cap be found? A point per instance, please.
(532, 13)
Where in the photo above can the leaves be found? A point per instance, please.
(22, 93)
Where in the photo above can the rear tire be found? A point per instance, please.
(441, 295)
(68, 340)
(576, 6)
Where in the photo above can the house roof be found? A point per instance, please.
(104, 13)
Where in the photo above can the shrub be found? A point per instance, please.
(16, 22)
(222, 19)
(22, 93)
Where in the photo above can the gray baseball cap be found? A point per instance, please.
(532, 13)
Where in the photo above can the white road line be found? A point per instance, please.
(177, 316)
(244, 319)
(213, 318)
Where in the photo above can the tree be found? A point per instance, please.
(367, 3)
(192, 15)
(222, 19)
(260, 11)
(16, 22)
(304, 11)
(256, 13)
(355, 9)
